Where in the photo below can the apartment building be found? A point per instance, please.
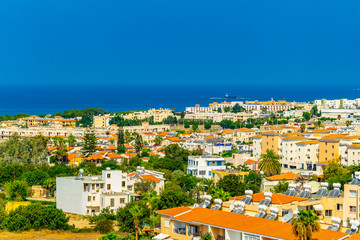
(307, 155)
(191, 223)
(147, 128)
(158, 114)
(201, 166)
(37, 121)
(328, 149)
(270, 140)
(88, 195)
(101, 121)
(289, 152)
(338, 103)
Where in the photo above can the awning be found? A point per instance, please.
(318, 207)
(161, 236)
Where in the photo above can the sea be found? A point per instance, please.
(40, 99)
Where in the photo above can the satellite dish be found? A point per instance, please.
(231, 207)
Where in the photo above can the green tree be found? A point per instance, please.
(335, 173)
(195, 126)
(158, 140)
(17, 190)
(306, 116)
(61, 151)
(36, 177)
(348, 123)
(126, 219)
(270, 163)
(303, 127)
(71, 140)
(220, 193)
(138, 143)
(206, 236)
(104, 226)
(173, 197)
(232, 184)
(281, 187)
(136, 212)
(121, 141)
(305, 224)
(207, 125)
(110, 236)
(89, 142)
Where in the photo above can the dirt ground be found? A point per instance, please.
(79, 221)
(47, 234)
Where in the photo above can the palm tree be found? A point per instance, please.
(71, 140)
(270, 163)
(209, 183)
(136, 212)
(220, 193)
(305, 224)
(303, 127)
(61, 151)
(149, 198)
(229, 165)
(158, 140)
(319, 124)
(348, 123)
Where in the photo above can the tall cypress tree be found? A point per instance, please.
(89, 142)
(121, 141)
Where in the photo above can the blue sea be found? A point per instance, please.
(115, 98)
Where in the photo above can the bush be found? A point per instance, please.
(35, 217)
(106, 213)
(110, 236)
(18, 190)
(206, 236)
(104, 226)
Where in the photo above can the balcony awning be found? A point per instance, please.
(318, 207)
(161, 236)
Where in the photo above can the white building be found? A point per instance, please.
(201, 166)
(88, 195)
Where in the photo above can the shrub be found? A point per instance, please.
(18, 190)
(36, 217)
(206, 236)
(104, 226)
(110, 236)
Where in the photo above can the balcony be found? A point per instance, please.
(181, 231)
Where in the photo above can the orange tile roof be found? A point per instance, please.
(275, 199)
(150, 178)
(95, 157)
(114, 156)
(131, 155)
(244, 130)
(250, 161)
(307, 142)
(128, 146)
(132, 174)
(209, 137)
(175, 139)
(111, 147)
(257, 136)
(294, 138)
(354, 237)
(226, 131)
(287, 176)
(244, 223)
(173, 211)
(163, 134)
(354, 146)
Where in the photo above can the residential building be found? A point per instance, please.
(201, 166)
(37, 121)
(158, 114)
(88, 195)
(101, 121)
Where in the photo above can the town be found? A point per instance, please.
(229, 170)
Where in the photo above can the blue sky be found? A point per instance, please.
(180, 42)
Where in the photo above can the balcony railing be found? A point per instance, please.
(194, 234)
(181, 231)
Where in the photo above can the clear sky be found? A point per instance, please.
(233, 42)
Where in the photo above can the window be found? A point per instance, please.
(284, 212)
(93, 198)
(352, 209)
(92, 186)
(328, 213)
(122, 200)
(352, 193)
(108, 175)
(112, 202)
(89, 198)
(339, 207)
(123, 183)
(167, 223)
(109, 187)
(202, 172)
(251, 237)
